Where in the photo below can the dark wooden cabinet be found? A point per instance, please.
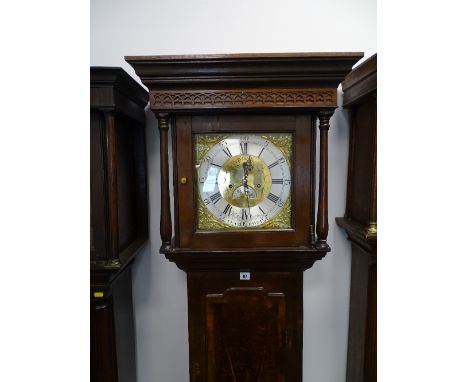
(119, 218)
(360, 220)
(248, 220)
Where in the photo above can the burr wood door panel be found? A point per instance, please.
(245, 330)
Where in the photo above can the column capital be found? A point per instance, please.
(163, 121)
(324, 118)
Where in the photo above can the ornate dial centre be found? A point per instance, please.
(244, 181)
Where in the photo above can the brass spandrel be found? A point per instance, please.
(282, 219)
(203, 144)
(284, 144)
(207, 221)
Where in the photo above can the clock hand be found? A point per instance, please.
(245, 168)
(245, 186)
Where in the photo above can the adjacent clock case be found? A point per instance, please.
(360, 220)
(119, 218)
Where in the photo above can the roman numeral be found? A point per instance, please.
(243, 147)
(260, 208)
(273, 164)
(273, 198)
(263, 148)
(277, 181)
(227, 152)
(215, 197)
(216, 165)
(227, 210)
(244, 214)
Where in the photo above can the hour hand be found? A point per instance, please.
(244, 184)
(244, 177)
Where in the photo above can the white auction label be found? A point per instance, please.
(245, 275)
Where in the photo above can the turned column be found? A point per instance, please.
(313, 181)
(322, 211)
(112, 186)
(166, 221)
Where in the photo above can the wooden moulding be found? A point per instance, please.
(243, 81)
(360, 82)
(359, 234)
(113, 89)
(258, 259)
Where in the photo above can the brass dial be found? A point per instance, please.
(244, 181)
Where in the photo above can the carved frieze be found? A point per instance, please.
(250, 98)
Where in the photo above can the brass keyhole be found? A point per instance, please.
(183, 180)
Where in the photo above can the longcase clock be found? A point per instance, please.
(247, 220)
(119, 218)
(360, 220)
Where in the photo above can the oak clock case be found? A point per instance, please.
(119, 219)
(247, 218)
(360, 220)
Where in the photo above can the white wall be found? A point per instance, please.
(143, 27)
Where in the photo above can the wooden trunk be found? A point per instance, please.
(245, 330)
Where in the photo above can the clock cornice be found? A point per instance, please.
(243, 81)
(114, 90)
